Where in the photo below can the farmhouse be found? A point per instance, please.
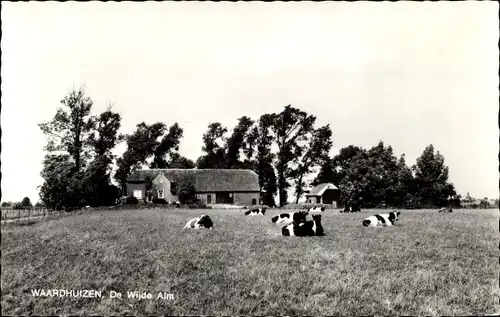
(213, 186)
(325, 193)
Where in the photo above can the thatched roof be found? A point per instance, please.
(204, 180)
(321, 188)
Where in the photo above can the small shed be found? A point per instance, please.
(325, 193)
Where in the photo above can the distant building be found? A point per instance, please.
(213, 186)
(325, 193)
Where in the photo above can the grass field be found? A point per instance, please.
(429, 264)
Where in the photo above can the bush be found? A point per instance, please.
(131, 200)
(484, 204)
(17, 206)
(186, 194)
(160, 201)
(26, 203)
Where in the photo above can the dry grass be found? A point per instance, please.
(429, 264)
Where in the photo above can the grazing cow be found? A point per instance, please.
(289, 217)
(305, 229)
(256, 212)
(203, 221)
(445, 209)
(316, 209)
(382, 219)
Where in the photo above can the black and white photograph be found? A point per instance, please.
(250, 158)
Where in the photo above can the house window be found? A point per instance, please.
(138, 193)
(230, 195)
(254, 201)
(209, 199)
(161, 194)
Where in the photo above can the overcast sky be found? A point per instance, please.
(407, 73)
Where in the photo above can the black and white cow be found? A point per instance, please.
(445, 209)
(316, 209)
(305, 229)
(352, 208)
(382, 219)
(256, 212)
(289, 217)
(201, 222)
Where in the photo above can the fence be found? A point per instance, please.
(9, 213)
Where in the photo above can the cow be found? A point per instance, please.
(201, 222)
(445, 209)
(306, 229)
(352, 208)
(382, 219)
(316, 209)
(289, 217)
(256, 212)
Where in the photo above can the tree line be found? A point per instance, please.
(283, 148)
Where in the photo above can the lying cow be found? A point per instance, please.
(256, 212)
(316, 209)
(382, 219)
(445, 209)
(201, 222)
(305, 229)
(353, 208)
(289, 217)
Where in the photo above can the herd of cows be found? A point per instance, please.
(297, 224)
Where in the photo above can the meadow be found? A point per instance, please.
(429, 264)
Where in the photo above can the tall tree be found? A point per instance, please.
(315, 153)
(354, 175)
(383, 175)
(213, 146)
(372, 177)
(105, 136)
(291, 127)
(168, 146)
(98, 187)
(375, 176)
(259, 142)
(141, 145)
(431, 176)
(70, 127)
(406, 184)
(179, 161)
(340, 162)
(326, 174)
(68, 150)
(237, 142)
(61, 188)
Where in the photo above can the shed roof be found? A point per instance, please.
(320, 189)
(204, 180)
